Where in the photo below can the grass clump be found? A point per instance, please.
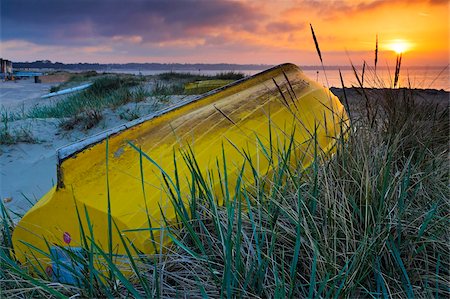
(191, 77)
(74, 80)
(85, 120)
(9, 136)
(167, 89)
(131, 113)
(173, 83)
(87, 106)
(370, 222)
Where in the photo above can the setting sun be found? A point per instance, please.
(399, 46)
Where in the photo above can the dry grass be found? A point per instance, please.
(370, 222)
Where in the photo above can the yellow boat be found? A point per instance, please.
(107, 174)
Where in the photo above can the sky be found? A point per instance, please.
(222, 31)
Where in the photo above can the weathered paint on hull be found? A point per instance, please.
(230, 120)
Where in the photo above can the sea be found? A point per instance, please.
(415, 77)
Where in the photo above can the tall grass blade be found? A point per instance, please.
(429, 216)
(108, 198)
(362, 73)
(397, 69)
(8, 224)
(149, 222)
(396, 254)
(312, 280)
(376, 54)
(117, 273)
(345, 95)
(134, 266)
(438, 264)
(14, 267)
(316, 43)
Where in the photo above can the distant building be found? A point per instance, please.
(6, 68)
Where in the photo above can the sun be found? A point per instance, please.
(399, 46)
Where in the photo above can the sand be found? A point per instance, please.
(22, 94)
(28, 170)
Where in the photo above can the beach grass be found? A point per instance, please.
(113, 91)
(173, 83)
(86, 107)
(9, 136)
(191, 77)
(105, 92)
(371, 222)
(75, 79)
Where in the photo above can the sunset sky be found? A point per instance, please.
(214, 31)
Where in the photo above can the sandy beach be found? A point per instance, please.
(28, 170)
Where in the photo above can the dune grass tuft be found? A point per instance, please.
(191, 77)
(370, 222)
(9, 136)
(86, 106)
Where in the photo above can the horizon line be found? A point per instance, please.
(220, 63)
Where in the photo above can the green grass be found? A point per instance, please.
(172, 83)
(105, 92)
(84, 109)
(162, 89)
(86, 106)
(190, 77)
(10, 136)
(370, 222)
(74, 80)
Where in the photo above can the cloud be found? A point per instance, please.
(342, 9)
(132, 39)
(83, 22)
(284, 27)
(211, 30)
(438, 2)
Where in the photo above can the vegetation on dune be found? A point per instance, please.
(114, 91)
(82, 110)
(190, 77)
(85, 109)
(174, 83)
(86, 106)
(23, 134)
(10, 136)
(74, 80)
(372, 221)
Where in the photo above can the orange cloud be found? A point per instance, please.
(243, 31)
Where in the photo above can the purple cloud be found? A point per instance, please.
(83, 22)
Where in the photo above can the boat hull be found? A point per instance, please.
(116, 179)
